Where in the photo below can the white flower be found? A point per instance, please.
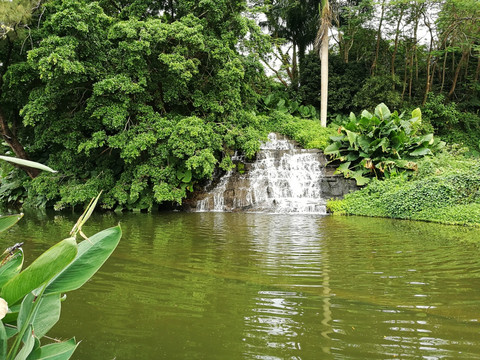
(3, 308)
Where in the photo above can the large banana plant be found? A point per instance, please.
(380, 144)
(30, 299)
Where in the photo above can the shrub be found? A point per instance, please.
(380, 145)
(445, 189)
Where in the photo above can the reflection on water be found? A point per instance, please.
(259, 286)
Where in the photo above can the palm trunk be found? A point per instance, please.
(321, 44)
(324, 81)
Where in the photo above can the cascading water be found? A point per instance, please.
(283, 179)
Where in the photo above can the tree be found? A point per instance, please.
(14, 17)
(140, 103)
(321, 43)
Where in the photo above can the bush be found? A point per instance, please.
(445, 189)
(307, 132)
(453, 125)
(380, 145)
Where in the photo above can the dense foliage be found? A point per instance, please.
(446, 189)
(380, 144)
(145, 100)
(140, 105)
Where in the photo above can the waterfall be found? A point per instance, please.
(283, 179)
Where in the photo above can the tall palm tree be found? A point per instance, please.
(321, 44)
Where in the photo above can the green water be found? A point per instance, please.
(258, 286)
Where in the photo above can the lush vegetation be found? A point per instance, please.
(380, 144)
(445, 189)
(30, 299)
(146, 100)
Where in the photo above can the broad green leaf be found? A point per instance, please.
(27, 348)
(27, 163)
(47, 313)
(363, 142)
(11, 331)
(426, 139)
(11, 267)
(3, 341)
(352, 117)
(421, 151)
(417, 113)
(367, 115)
(332, 149)
(343, 169)
(55, 351)
(44, 268)
(337, 138)
(352, 137)
(359, 178)
(8, 221)
(91, 255)
(382, 112)
(352, 156)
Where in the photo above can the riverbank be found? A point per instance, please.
(445, 189)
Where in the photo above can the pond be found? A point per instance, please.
(265, 286)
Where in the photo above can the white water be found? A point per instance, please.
(283, 179)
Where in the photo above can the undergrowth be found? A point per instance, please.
(445, 189)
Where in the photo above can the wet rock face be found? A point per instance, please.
(283, 179)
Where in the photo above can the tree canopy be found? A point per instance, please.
(147, 99)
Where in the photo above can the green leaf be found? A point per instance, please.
(47, 313)
(91, 255)
(55, 351)
(332, 149)
(27, 348)
(426, 139)
(3, 341)
(367, 115)
(352, 137)
(343, 168)
(8, 221)
(382, 112)
(11, 268)
(27, 163)
(421, 151)
(359, 178)
(417, 114)
(352, 117)
(363, 142)
(352, 156)
(11, 331)
(44, 268)
(337, 138)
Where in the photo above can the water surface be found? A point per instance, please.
(260, 286)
